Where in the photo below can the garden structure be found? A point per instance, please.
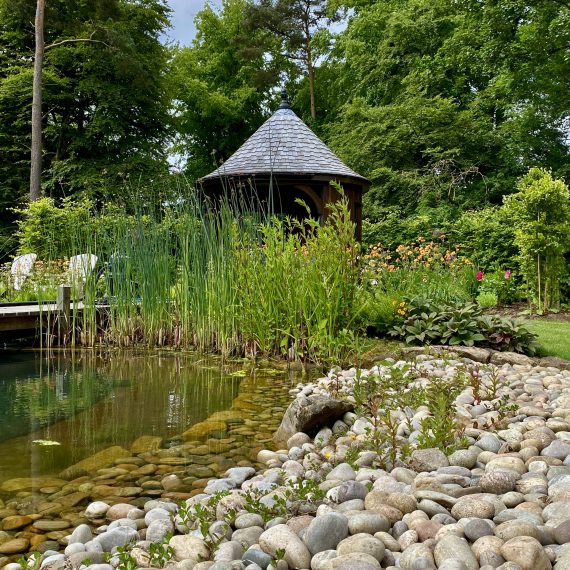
(284, 162)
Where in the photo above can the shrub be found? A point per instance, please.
(540, 214)
(487, 299)
(502, 284)
(487, 237)
(427, 322)
(507, 334)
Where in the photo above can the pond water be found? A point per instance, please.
(57, 409)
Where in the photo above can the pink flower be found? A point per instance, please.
(479, 276)
(507, 274)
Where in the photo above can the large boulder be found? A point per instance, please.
(308, 414)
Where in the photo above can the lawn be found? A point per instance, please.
(553, 336)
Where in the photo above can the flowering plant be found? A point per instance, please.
(499, 282)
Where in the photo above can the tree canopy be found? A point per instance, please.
(443, 104)
(106, 106)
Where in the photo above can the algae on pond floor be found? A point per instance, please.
(91, 402)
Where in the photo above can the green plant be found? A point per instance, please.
(503, 284)
(540, 213)
(201, 516)
(383, 399)
(34, 562)
(433, 323)
(126, 561)
(160, 553)
(274, 506)
(487, 299)
(507, 334)
(441, 428)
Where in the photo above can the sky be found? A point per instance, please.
(183, 14)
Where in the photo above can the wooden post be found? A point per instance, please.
(63, 312)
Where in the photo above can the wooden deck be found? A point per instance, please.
(27, 316)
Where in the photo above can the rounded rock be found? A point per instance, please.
(469, 507)
(527, 552)
(367, 522)
(362, 543)
(325, 532)
(452, 547)
(279, 537)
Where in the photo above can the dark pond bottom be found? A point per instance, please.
(74, 423)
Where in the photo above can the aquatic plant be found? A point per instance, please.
(225, 277)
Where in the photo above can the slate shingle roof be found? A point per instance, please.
(283, 145)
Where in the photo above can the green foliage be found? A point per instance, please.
(487, 299)
(383, 398)
(105, 100)
(126, 561)
(220, 86)
(427, 322)
(50, 231)
(441, 428)
(160, 553)
(447, 103)
(487, 237)
(387, 399)
(225, 281)
(502, 284)
(507, 334)
(540, 212)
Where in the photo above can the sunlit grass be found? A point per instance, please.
(553, 336)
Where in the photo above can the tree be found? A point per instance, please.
(105, 114)
(540, 213)
(36, 158)
(292, 24)
(444, 104)
(221, 88)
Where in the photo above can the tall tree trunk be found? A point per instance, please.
(36, 157)
(310, 70)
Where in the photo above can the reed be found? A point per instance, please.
(227, 279)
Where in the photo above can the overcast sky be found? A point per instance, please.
(184, 12)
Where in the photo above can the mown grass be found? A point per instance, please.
(553, 336)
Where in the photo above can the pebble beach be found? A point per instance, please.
(327, 499)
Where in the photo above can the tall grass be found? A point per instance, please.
(225, 279)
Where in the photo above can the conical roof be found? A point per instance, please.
(283, 145)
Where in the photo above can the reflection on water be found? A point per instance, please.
(83, 402)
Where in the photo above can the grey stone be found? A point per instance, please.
(498, 482)
(476, 528)
(342, 472)
(428, 460)
(231, 550)
(279, 537)
(325, 532)
(158, 529)
(81, 534)
(350, 490)
(362, 543)
(239, 474)
(248, 536)
(455, 548)
(256, 556)
(367, 522)
(308, 414)
(558, 449)
(116, 537)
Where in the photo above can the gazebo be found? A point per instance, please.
(283, 161)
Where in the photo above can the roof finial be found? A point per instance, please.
(284, 100)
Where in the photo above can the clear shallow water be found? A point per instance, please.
(86, 402)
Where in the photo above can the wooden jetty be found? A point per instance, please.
(57, 316)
